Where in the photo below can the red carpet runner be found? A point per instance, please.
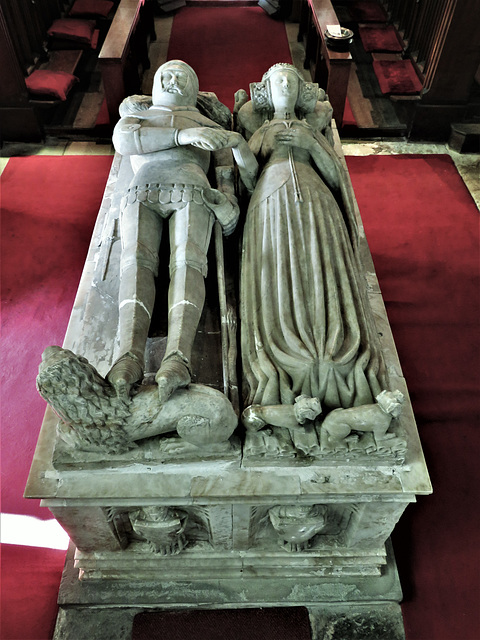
(422, 227)
(228, 47)
(49, 207)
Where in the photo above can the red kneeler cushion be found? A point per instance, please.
(380, 38)
(397, 77)
(52, 84)
(73, 29)
(100, 8)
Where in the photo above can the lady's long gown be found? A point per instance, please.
(305, 325)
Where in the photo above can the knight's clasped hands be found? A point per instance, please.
(208, 139)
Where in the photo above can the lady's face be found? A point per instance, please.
(284, 89)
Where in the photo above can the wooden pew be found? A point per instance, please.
(331, 69)
(125, 49)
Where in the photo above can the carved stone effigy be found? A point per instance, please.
(285, 497)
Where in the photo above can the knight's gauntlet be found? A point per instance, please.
(224, 208)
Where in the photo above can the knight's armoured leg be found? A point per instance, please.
(190, 231)
(141, 231)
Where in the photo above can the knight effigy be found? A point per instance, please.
(229, 399)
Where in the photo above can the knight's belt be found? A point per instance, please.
(163, 194)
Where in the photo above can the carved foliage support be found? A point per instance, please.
(89, 528)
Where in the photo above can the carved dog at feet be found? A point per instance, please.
(375, 418)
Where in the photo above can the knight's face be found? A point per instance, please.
(173, 86)
(174, 80)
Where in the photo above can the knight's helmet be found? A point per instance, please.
(191, 88)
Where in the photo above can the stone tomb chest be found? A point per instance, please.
(265, 518)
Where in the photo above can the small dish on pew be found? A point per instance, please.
(338, 38)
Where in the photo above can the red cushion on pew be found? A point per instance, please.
(380, 38)
(100, 8)
(397, 77)
(73, 29)
(52, 84)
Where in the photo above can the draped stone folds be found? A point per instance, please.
(306, 327)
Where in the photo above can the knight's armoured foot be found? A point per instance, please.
(126, 371)
(172, 375)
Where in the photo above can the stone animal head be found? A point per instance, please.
(307, 408)
(76, 391)
(391, 402)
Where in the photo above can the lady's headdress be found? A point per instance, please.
(262, 98)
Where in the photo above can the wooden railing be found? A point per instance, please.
(424, 26)
(124, 51)
(442, 39)
(331, 69)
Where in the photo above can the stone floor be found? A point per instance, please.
(468, 165)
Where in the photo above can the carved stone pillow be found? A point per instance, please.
(50, 84)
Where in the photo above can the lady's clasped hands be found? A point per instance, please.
(296, 137)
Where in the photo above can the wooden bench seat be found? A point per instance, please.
(66, 61)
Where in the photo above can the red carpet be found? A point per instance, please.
(49, 206)
(227, 46)
(29, 588)
(397, 77)
(422, 227)
(348, 117)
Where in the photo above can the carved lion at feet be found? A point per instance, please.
(374, 418)
(95, 419)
